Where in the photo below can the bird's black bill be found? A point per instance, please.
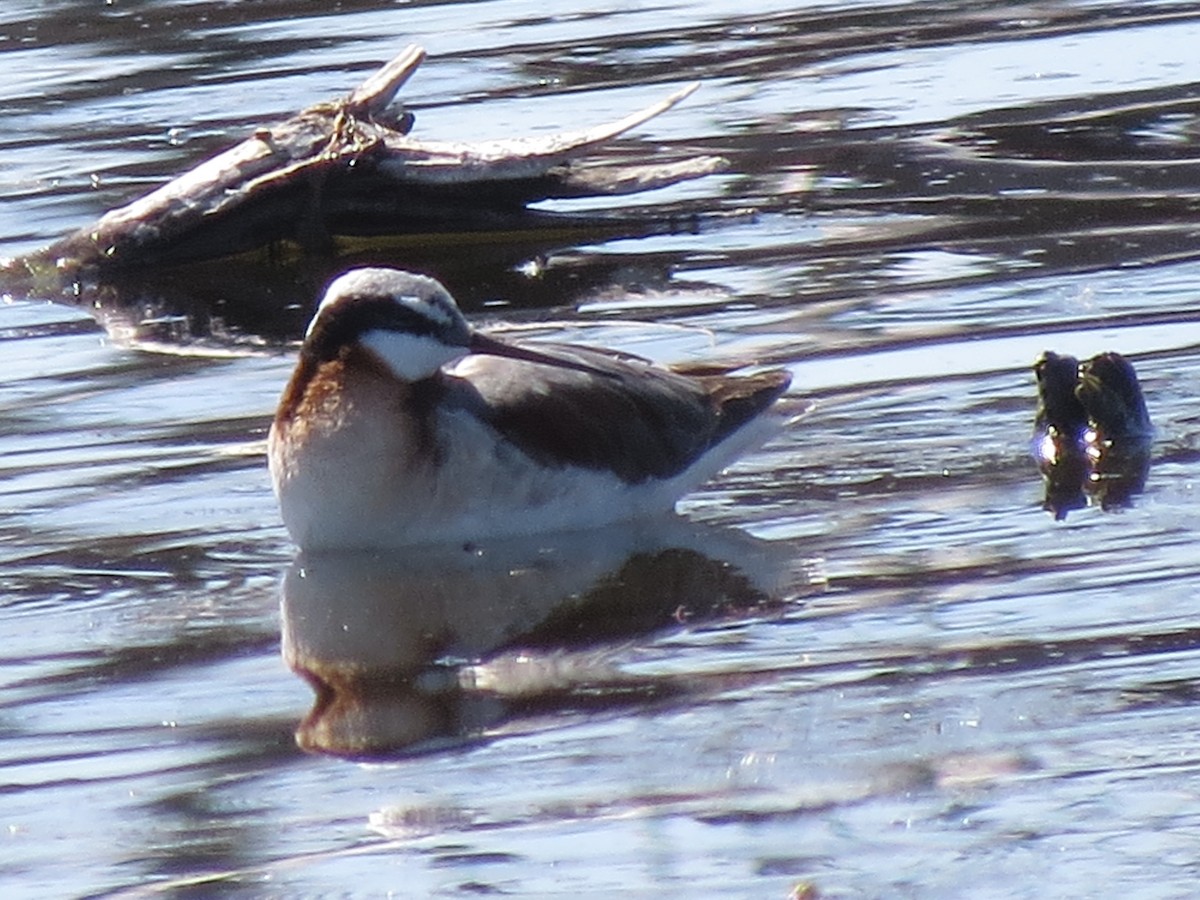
(483, 344)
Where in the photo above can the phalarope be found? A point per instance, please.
(402, 425)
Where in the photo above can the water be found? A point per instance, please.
(864, 661)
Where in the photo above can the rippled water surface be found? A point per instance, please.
(865, 662)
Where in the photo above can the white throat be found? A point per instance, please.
(410, 357)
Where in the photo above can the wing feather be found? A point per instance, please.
(639, 422)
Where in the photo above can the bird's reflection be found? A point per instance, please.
(416, 649)
(421, 648)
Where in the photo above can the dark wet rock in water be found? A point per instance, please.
(1108, 390)
(1092, 432)
(1059, 410)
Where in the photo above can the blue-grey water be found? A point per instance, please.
(865, 662)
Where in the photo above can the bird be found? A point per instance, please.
(404, 425)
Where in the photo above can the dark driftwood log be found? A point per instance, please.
(349, 167)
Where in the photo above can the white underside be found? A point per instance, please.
(361, 488)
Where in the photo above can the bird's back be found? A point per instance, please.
(626, 416)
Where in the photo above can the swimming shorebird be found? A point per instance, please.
(403, 425)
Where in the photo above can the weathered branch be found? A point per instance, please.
(350, 167)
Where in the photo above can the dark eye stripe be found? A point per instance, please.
(352, 316)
